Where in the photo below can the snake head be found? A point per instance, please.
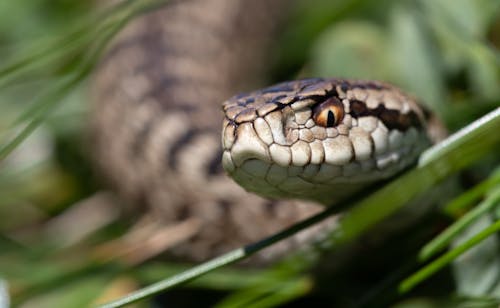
(320, 139)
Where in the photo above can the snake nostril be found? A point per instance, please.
(292, 135)
(290, 126)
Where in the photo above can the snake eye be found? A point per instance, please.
(328, 113)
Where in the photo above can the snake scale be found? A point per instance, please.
(157, 120)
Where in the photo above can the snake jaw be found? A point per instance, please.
(273, 146)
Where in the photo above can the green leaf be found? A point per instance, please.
(416, 60)
(441, 241)
(362, 48)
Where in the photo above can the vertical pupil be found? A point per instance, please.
(330, 120)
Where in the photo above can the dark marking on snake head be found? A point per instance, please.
(249, 100)
(304, 84)
(392, 119)
(280, 87)
(277, 99)
(240, 95)
(248, 114)
(426, 112)
(344, 86)
(358, 109)
(374, 86)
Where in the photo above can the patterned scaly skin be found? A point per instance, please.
(273, 146)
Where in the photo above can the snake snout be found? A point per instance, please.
(245, 145)
(259, 139)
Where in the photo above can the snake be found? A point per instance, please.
(156, 122)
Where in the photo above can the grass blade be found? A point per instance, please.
(459, 205)
(443, 239)
(448, 257)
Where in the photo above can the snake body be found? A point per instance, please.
(157, 120)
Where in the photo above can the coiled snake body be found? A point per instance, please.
(157, 121)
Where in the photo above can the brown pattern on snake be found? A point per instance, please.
(166, 75)
(308, 89)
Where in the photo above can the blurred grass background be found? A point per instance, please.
(54, 215)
